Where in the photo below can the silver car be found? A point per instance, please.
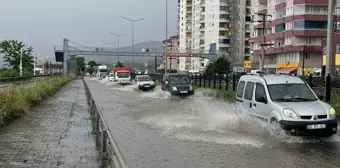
(287, 101)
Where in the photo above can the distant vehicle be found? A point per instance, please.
(102, 71)
(144, 82)
(177, 84)
(111, 77)
(122, 75)
(288, 102)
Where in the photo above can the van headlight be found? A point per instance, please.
(290, 113)
(332, 111)
(174, 88)
(190, 88)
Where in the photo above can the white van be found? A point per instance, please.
(287, 101)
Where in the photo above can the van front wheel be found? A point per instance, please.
(275, 127)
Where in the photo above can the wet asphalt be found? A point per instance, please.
(155, 130)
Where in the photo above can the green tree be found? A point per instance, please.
(92, 64)
(119, 64)
(11, 49)
(80, 61)
(220, 66)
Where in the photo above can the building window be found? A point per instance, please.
(310, 24)
(337, 48)
(280, 27)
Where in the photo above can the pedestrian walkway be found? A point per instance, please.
(55, 134)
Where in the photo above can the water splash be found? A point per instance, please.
(208, 121)
(157, 93)
(126, 88)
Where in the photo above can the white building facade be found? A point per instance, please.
(202, 23)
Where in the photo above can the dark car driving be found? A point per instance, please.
(177, 84)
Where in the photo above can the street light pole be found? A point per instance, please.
(20, 66)
(34, 63)
(133, 37)
(118, 36)
(329, 56)
(166, 37)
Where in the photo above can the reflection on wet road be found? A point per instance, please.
(154, 129)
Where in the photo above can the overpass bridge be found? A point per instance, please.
(63, 55)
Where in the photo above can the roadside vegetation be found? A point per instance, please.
(16, 100)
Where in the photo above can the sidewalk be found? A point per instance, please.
(55, 134)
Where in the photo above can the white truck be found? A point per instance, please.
(102, 71)
(122, 75)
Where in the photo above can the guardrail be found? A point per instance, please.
(105, 143)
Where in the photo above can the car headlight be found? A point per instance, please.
(190, 88)
(332, 111)
(174, 88)
(290, 113)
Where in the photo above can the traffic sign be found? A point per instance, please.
(247, 64)
(147, 50)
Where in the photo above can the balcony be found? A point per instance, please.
(224, 10)
(188, 29)
(223, 36)
(224, 18)
(224, 28)
(203, 3)
(189, 5)
(224, 3)
(189, 11)
(202, 29)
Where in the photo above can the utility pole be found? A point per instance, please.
(34, 55)
(166, 36)
(263, 21)
(20, 66)
(329, 56)
(118, 36)
(133, 37)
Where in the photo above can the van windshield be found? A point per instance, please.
(179, 79)
(291, 93)
(144, 78)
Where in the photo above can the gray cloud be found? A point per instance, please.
(43, 23)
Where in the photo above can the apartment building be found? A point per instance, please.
(241, 32)
(172, 44)
(202, 23)
(296, 31)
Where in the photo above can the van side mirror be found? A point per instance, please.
(262, 100)
(320, 97)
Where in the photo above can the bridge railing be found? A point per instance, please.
(105, 143)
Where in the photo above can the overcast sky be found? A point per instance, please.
(44, 23)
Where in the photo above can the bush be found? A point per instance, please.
(14, 73)
(15, 100)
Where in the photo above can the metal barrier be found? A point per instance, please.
(109, 150)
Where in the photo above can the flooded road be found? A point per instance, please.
(154, 129)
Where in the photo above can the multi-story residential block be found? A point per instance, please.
(241, 31)
(296, 30)
(172, 44)
(202, 23)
